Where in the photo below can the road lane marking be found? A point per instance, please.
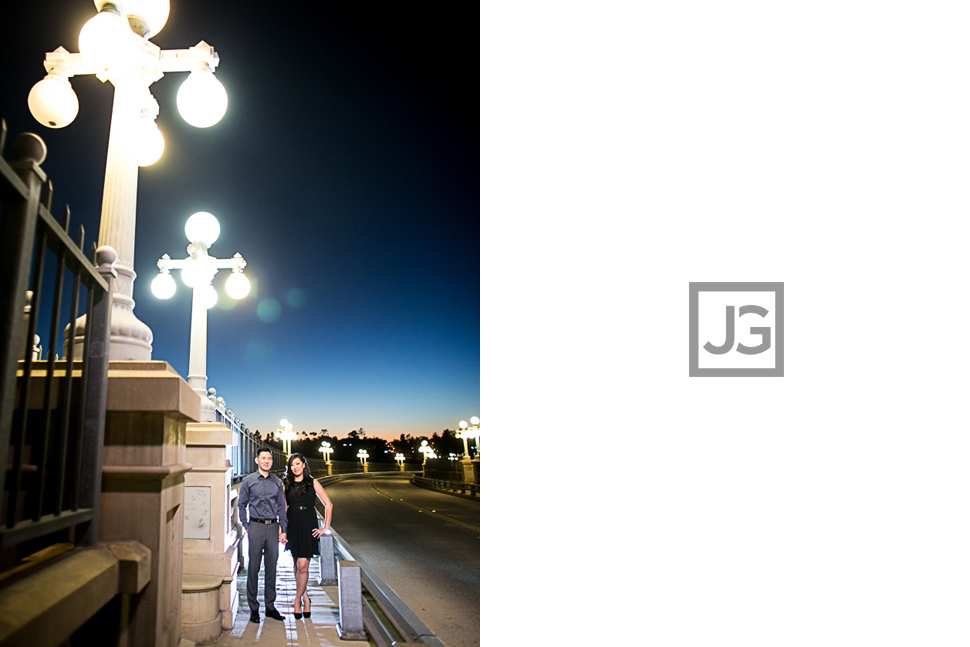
(435, 513)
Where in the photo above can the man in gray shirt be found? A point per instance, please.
(262, 512)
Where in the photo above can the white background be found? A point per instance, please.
(629, 148)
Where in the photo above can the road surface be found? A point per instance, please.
(423, 544)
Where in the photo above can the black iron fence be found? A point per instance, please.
(52, 412)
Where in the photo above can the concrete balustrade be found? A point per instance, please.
(211, 541)
(328, 561)
(351, 601)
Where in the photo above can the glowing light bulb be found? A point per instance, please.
(149, 142)
(195, 275)
(52, 101)
(104, 40)
(202, 99)
(163, 287)
(237, 285)
(209, 295)
(153, 13)
(202, 227)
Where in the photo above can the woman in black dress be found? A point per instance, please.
(302, 533)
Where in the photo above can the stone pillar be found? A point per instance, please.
(351, 602)
(211, 540)
(327, 562)
(468, 469)
(142, 492)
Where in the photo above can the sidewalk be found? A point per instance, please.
(320, 629)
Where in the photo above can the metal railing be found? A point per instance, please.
(52, 413)
(447, 485)
(245, 444)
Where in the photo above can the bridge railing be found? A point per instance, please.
(52, 415)
(447, 485)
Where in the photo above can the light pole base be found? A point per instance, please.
(131, 339)
(468, 470)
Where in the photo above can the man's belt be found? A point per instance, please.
(266, 521)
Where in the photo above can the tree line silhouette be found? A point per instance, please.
(445, 444)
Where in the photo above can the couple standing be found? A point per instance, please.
(268, 508)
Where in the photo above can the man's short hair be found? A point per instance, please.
(262, 449)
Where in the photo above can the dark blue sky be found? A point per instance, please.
(346, 172)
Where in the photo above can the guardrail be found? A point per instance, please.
(468, 489)
(388, 620)
(326, 480)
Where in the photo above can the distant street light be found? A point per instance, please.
(428, 452)
(287, 435)
(400, 460)
(363, 456)
(114, 47)
(198, 270)
(470, 432)
(326, 450)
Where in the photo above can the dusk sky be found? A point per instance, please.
(346, 172)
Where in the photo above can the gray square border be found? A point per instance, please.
(779, 336)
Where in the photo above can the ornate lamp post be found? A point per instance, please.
(326, 450)
(428, 452)
(287, 435)
(472, 431)
(198, 270)
(400, 460)
(469, 431)
(114, 47)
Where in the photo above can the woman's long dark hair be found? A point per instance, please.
(301, 486)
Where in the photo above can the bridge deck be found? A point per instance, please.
(319, 630)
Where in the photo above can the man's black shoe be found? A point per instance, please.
(254, 617)
(274, 614)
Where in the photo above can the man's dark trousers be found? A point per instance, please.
(263, 538)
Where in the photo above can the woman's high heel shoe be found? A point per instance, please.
(306, 614)
(297, 614)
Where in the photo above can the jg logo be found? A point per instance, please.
(737, 329)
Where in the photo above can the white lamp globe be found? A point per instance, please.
(475, 420)
(209, 295)
(163, 287)
(149, 143)
(202, 227)
(237, 285)
(195, 275)
(104, 40)
(153, 13)
(202, 99)
(52, 101)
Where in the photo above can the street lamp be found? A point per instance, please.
(198, 270)
(363, 456)
(427, 451)
(287, 435)
(400, 460)
(470, 432)
(114, 47)
(326, 449)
